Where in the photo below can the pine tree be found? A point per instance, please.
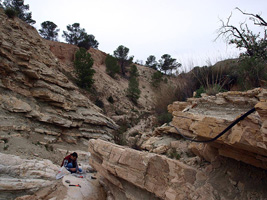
(20, 9)
(121, 53)
(133, 91)
(77, 36)
(49, 31)
(112, 66)
(151, 62)
(83, 66)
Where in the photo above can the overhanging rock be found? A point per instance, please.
(206, 117)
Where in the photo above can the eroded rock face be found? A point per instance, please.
(131, 174)
(36, 94)
(206, 117)
(143, 175)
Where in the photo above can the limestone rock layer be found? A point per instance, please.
(153, 176)
(36, 97)
(206, 117)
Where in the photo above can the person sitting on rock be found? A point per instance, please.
(70, 163)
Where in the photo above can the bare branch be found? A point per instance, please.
(258, 20)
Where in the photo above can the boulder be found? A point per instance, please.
(143, 175)
(19, 174)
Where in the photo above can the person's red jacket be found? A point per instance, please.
(68, 160)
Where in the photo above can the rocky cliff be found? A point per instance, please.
(43, 114)
(36, 97)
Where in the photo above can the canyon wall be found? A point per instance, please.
(36, 96)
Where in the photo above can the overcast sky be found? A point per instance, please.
(184, 29)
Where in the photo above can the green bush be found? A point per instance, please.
(134, 71)
(112, 67)
(157, 77)
(164, 118)
(251, 72)
(215, 89)
(199, 91)
(172, 153)
(11, 13)
(83, 64)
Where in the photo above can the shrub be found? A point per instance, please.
(172, 153)
(119, 137)
(110, 100)
(215, 89)
(157, 77)
(215, 78)
(199, 91)
(164, 118)
(251, 72)
(112, 67)
(134, 71)
(11, 13)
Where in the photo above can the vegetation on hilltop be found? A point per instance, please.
(78, 36)
(49, 31)
(252, 66)
(17, 8)
(165, 64)
(121, 53)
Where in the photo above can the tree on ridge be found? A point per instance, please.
(20, 9)
(49, 31)
(78, 36)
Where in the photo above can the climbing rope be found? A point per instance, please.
(219, 135)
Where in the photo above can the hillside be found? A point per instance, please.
(43, 114)
(141, 117)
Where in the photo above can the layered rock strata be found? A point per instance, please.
(21, 175)
(206, 117)
(132, 174)
(36, 97)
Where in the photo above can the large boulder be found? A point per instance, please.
(143, 175)
(18, 174)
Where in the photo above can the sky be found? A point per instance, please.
(184, 29)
